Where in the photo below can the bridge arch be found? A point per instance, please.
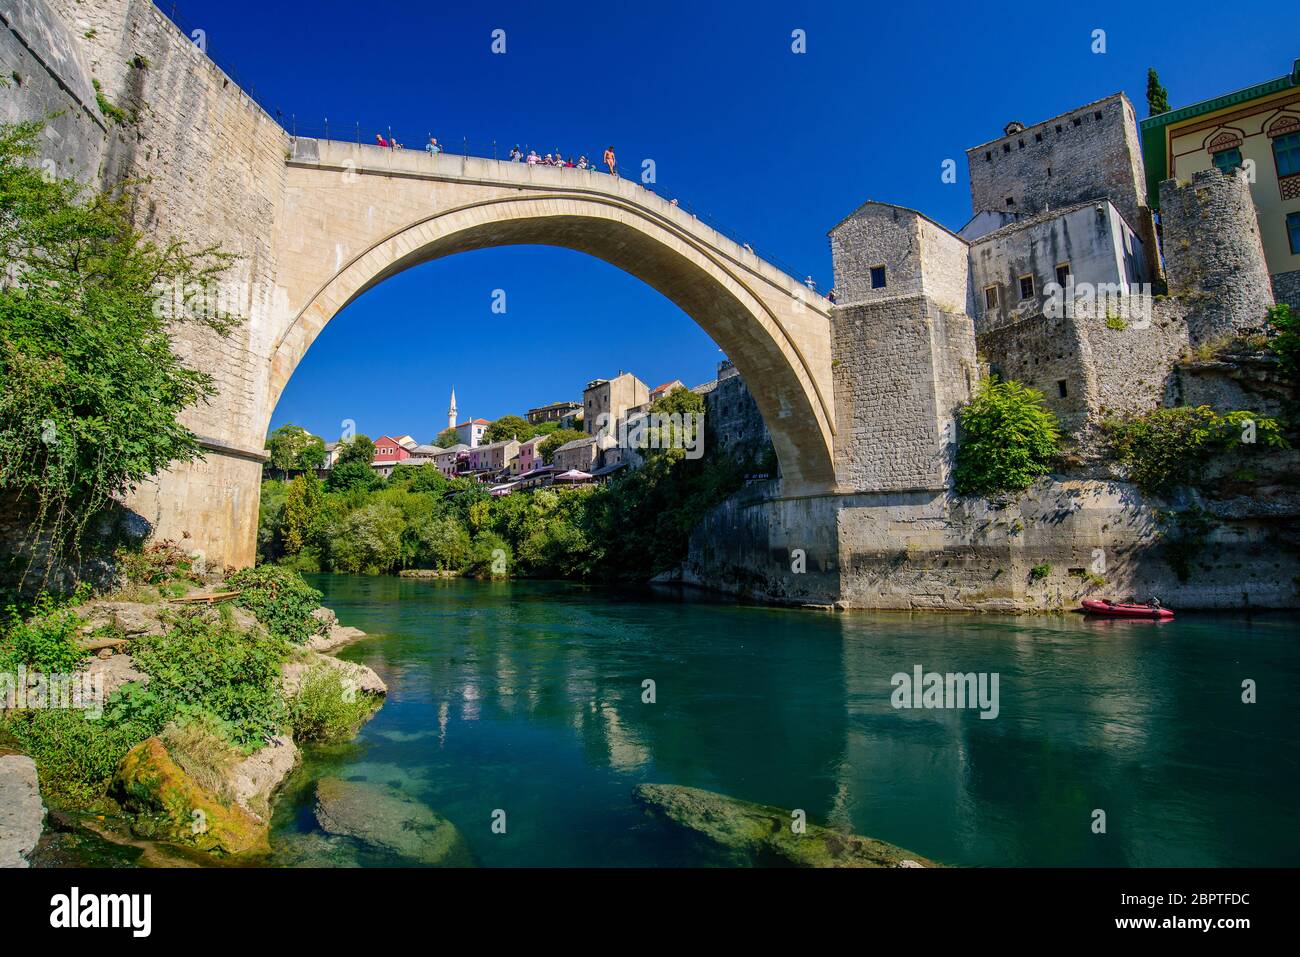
(383, 220)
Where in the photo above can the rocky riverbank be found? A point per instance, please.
(197, 795)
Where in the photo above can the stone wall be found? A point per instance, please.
(1088, 153)
(735, 427)
(1214, 258)
(877, 234)
(207, 167)
(1060, 542)
(1046, 354)
(48, 78)
(902, 367)
(1286, 288)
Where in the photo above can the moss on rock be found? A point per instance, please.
(757, 834)
(170, 806)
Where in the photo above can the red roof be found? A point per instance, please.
(475, 422)
(667, 385)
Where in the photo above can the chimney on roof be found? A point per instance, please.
(1013, 127)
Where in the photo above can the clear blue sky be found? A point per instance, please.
(777, 147)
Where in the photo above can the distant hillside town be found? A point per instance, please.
(570, 442)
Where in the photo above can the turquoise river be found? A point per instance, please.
(528, 698)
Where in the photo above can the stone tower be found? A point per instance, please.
(451, 412)
(1214, 258)
(903, 347)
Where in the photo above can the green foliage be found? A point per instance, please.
(114, 113)
(1008, 439)
(367, 539)
(352, 476)
(203, 663)
(1116, 323)
(1157, 95)
(1039, 572)
(75, 758)
(200, 744)
(156, 563)
(46, 641)
(447, 438)
(489, 556)
(509, 427)
(92, 387)
(326, 708)
(293, 449)
(1165, 448)
(280, 599)
(1285, 340)
(304, 503)
(358, 449)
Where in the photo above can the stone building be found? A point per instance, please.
(733, 425)
(554, 412)
(605, 401)
(1257, 127)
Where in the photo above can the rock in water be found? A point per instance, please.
(171, 806)
(390, 820)
(756, 834)
(22, 815)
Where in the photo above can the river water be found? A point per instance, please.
(527, 698)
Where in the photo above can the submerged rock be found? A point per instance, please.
(170, 805)
(389, 820)
(757, 834)
(22, 815)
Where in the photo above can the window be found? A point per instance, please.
(1058, 127)
(1010, 201)
(1286, 153)
(1038, 137)
(1293, 231)
(1060, 388)
(1097, 115)
(1063, 274)
(1227, 160)
(1022, 144)
(988, 156)
(991, 297)
(1026, 287)
(1006, 147)
(1078, 122)
(877, 277)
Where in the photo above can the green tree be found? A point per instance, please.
(444, 543)
(293, 448)
(1008, 438)
(447, 438)
(357, 449)
(509, 427)
(367, 539)
(556, 439)
(91, 385)
(1157, 95)
(352, 476)
(303, 502)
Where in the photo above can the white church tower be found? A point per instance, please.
(451, 412)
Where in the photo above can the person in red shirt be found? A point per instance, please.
(379, 138)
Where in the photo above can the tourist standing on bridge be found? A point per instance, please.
(516, 154)
(433, 149)
(582, 162)
(379, 138)
(611, 162)
(532, 158)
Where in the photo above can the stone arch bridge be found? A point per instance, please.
(353, 215)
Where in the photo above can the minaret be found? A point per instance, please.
(451, 412)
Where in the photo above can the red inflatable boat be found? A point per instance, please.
(1111, 609)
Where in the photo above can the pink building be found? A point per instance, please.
(530, 456)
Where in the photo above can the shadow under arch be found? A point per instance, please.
(757, 324)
